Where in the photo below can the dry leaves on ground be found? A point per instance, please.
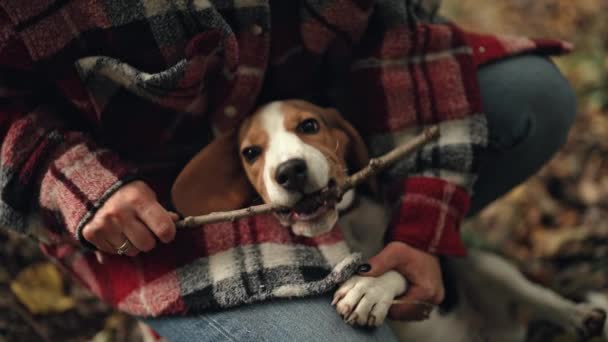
(555, 225)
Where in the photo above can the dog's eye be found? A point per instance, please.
(308, 126)
(251, 153)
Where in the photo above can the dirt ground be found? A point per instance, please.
(555, 226)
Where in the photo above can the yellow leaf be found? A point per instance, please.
(40, 288)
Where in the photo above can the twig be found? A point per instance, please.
(374, 166)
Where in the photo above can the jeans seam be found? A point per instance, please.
(217, 326)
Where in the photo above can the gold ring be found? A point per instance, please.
(124, 247)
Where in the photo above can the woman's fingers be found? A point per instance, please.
(96, 233)
(139, 235)
(420, 268)
(174, 216)
(158, 220)
(109, 234)
(118, 240)
(419, 308)
(132, 215)
(125, 245)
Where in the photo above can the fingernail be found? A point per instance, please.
(364, 268)
(99, 256)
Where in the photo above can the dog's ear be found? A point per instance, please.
(356, 152)
(214, 180)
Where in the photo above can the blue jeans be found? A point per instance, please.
(530, 108)
(309, 319)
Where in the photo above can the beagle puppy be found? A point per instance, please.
(289, 150)
(285, 152)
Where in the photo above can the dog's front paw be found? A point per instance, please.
(365, 300)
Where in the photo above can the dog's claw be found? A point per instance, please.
(345, 311)
(336, 299)
(594, 324)
(352, 319)
(371, 320)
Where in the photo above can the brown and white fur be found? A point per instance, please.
(291, 149)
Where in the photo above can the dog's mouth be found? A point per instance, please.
(310, 207)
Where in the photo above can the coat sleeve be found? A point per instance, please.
(53, 176)
(408, 79)
(414, 76)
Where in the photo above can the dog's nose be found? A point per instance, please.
(291, 174)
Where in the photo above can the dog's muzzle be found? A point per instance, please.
(292, 175)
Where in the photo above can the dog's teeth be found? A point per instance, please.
(352, 318)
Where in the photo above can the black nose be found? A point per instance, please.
(292, 174)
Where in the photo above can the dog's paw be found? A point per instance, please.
(365, 300)
(591, 320)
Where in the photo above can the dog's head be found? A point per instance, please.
(284, 152)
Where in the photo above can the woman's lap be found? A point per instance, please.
(303, 319)
(530, 108)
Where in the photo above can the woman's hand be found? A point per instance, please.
(132, 219)
(423, 273)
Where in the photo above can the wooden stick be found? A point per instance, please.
(374, 167)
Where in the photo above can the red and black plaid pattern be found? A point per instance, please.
(95, 93)
(218, 266)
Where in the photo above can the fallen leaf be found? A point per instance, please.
(39, 287)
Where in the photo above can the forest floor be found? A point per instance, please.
(554, 226)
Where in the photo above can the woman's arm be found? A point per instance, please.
(52, 173)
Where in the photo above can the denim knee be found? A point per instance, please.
(530, 107)
(523, 96)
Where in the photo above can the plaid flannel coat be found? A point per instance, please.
(95, 93)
